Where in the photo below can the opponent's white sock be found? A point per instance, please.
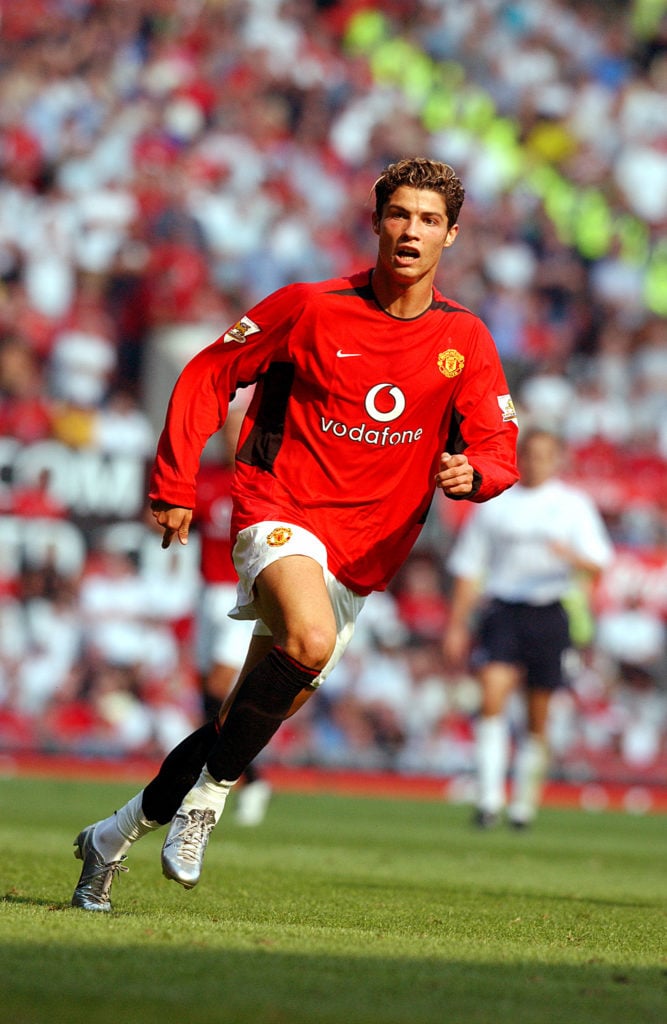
(114, 835)
(492, 739)
(530, 768)
(207, 793)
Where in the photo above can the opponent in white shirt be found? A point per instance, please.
(513, 563)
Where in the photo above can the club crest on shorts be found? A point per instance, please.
(451, 362)
(279, 536)
(241, 330)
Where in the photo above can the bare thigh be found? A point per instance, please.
(292, 599)
(498, 680)
(295, 605)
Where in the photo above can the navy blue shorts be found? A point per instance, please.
(533, 637)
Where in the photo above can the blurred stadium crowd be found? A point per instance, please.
(166, 163)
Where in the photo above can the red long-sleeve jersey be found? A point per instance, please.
(213, 518)
(351, 412)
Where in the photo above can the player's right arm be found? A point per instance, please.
(200, 399)
(456, 641)
(468, 565)
(174, 520)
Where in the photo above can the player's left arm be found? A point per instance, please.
(456, 476)
(588, 548)
(576, 560)
(479, 460)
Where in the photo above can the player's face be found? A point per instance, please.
(413, 231)
(539, 459)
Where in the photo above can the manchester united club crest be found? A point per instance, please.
(450, 362)
(241, 330)
(279, 536)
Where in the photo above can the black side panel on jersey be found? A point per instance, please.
(455, 442)
(263, 443)
(455, 445)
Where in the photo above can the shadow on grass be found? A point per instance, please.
(555, 897)
(262, 985)
(18, 899)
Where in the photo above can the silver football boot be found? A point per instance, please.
(93, 889)
(184, 848)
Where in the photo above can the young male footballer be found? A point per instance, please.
(514, 565)
(371, 391)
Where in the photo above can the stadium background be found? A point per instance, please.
(164, 164)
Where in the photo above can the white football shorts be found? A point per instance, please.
(220, 640)
(260, 545)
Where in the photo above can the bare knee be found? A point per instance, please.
(498, 680)
(538, 712)
(311, 644)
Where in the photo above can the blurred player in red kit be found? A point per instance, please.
(372, 391)
(221, 642)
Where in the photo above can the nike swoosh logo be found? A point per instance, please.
(346, 355)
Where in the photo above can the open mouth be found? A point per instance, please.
(406, 254)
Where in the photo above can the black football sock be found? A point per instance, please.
(260, 706)
(210, 707)
(211, 710)
(178, 773)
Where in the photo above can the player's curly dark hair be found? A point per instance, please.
(420, 172)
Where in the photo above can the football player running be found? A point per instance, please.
(372, 391)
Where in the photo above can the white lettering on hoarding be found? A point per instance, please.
(87, 483)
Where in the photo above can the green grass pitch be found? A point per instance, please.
(337, 910)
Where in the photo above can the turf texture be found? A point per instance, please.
(337, 910)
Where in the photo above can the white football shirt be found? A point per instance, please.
(508, 543)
